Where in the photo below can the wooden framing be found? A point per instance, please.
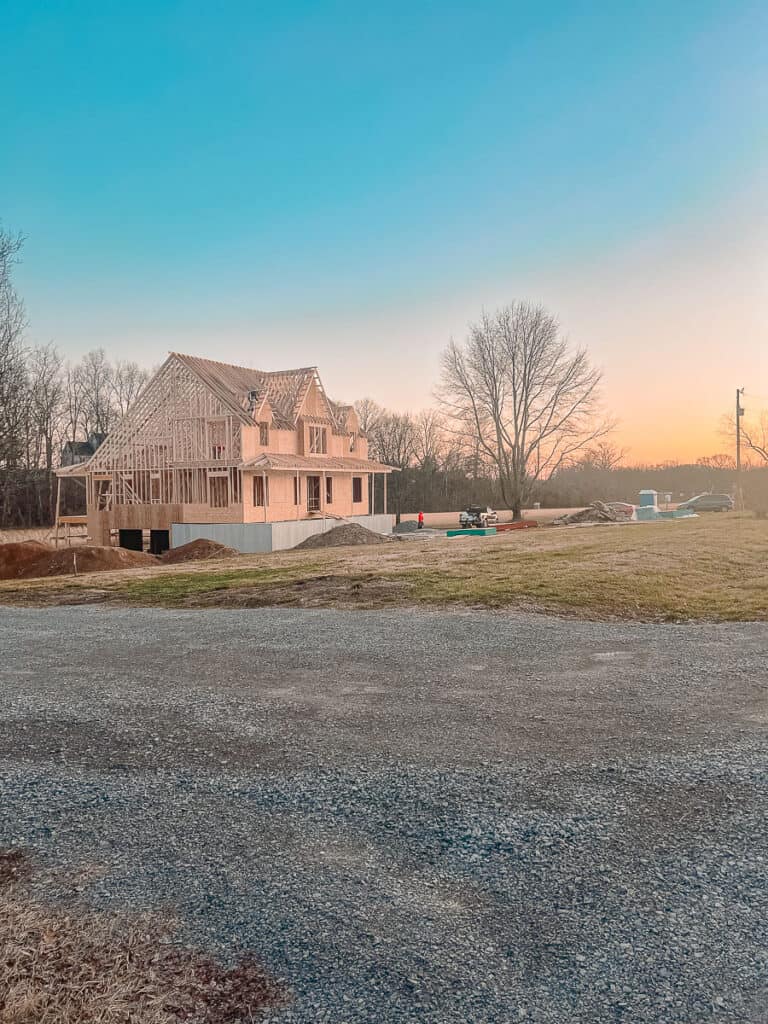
(196, 435)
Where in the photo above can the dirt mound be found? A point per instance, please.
(197, 551)
(406, 526)
(17, 557)
(67, 561)
(597, 512)
(342, 536)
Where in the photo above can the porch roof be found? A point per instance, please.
(315, 463)
(77, 469)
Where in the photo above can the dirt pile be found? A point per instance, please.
(406, 526)
(67, 561)
(17, 557)
(199, 550)
(597, 512)
(342, 536)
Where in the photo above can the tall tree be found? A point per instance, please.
(368, 413)
(46, 398)
(96, 383)
(127, 382)
(528, 401)
(602, 457)
(392, 440)
(13, 389)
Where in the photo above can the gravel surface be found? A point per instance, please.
(409, 816)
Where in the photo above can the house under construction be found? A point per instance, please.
(256, 460)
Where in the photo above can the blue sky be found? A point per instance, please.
(348, 184)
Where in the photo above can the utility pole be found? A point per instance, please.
(739, 414)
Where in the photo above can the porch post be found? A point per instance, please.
(322, 497)
(58, 509)
(385, 492)
(264, 486)
(298, 495)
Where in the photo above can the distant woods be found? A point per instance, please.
(518, 418)
(442, 470)
(46, 402)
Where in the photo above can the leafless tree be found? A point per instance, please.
(604, 456)
(127, 381)
(73, 402)
(754, 435)
(95, 381)
(47, 402)
(428, 439)
(718, 461)
(391, 439)
(368, 413)
(13, 392)
(528, 401)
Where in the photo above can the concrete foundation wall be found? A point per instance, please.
(253, 538)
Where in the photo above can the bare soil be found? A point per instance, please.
(197, 551)
(71, 561)
(15, 558)
(707, 568)
(343, 536)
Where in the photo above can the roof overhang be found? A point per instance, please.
(313, 464)
(78, 469)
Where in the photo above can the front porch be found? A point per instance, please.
(281, 487)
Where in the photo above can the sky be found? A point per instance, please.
(349, 185)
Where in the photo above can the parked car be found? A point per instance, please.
(708, 503)
(477, 516)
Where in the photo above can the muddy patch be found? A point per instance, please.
(320, 592)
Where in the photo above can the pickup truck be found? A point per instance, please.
(477, 516)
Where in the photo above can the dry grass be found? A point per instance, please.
(71, 967)
(710, 568)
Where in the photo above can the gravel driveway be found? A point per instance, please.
(409, 816)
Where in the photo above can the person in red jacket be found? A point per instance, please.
(421, 520)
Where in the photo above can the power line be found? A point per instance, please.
(751, 394)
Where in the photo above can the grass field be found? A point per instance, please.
(711, 568)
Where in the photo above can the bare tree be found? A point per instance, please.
(718, 461)
(95, 377)
(604, 456)
(368, 413)
(73, 402)
(13, 391)
(428, 439)
(47, 401)
(127, 382)
(391, 439)
(754, 435)
(527, 400)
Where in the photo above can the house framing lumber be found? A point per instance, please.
(201, 431)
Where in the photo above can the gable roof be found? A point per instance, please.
(284, 390)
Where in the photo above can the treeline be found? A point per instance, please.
(494, 442)
(52, 402)
(441, 471)
(45, 402)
